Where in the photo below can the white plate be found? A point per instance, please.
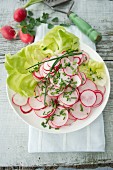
(35, 121)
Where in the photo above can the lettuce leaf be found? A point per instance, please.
(95, 71)
(21, 80)
(58, 40)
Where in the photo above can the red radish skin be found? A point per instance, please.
(19, 100)
(77, 59)
(20, 14)
(73, 96)
(85, 57)
(88, 85)
(78, 113)
(70, 122)
(35, 104)
(26, 109)
(52, 125)
(88, 98)
(83, 78)
(102, 89)
(26, 38)
(62, 119)
(37, 75)
(46, 109)
(8, 32)
(100, 98)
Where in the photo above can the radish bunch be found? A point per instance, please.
(9, 33)
(70, 95)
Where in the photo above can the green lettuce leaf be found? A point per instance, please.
(58, 40)
(95, 71)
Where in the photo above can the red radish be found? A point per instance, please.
(26, 38)
(20, 14)
(102, 89)
(88, 98)
(70, 122)
(71, 117)
(46, 66)
(85, 57)
(50, 63)
(19, 100)
(80, 111)
(83, 78)
(37, 75)
(71, 70)
(81, 59)
(62, 76)
(77, 60)
(41, 70)
(76, 79)
(88, 85)
(48, 99)
(54, 91)
(26, 108)
(45, 112)
(35, 104)
(99, 100)
(60, 116)
(69, 97)
(51, 124)
(8, 32)
(65, 61)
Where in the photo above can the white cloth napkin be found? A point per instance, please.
(88, 139)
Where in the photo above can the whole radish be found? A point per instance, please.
(26, 38)
(20, 14)
(8, 32)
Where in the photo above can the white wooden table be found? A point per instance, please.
(14, 132)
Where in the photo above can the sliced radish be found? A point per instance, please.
(37, 75)
(99, 100)
(81, 59)
(50, 63)
(65, 61)
(88, 85)
(77, 60)
(102, 89)
(85, 57)
(51, 124)
(26, 108)
(80, 111)
(48, 99)
(19, 100)
(35, 104)
(62, 77)
(71, 70)
(60, 116)
(69, 97)
(46, 66)
(76, 81)
(45, 112)
(54, 91)
(70, 122)
(64, 105)
(37, 93)
(70, 116)
(88, 98)
(41, 70)
(83, 78)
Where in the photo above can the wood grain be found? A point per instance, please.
(14, 132)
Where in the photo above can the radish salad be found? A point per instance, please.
(61, 84)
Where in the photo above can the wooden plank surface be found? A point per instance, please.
(14, 132)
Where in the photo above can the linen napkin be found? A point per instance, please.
(88, 139)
